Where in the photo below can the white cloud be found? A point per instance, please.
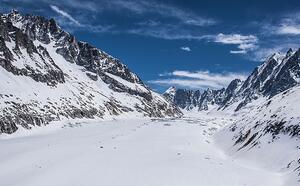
(288, 24)
(288, 29)
(185, 83)
(245, 42)
(198, 80)
(184, 48)
(235, 39)
(278, 35)
(238, 52)
(65, 14)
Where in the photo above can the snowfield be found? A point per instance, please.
(127, 152)
(245, 135)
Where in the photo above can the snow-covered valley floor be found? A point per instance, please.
(179, 152)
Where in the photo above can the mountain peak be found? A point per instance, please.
(50, 75)
(289, 52)
(277, 56)
(14, 12)
(171, 90)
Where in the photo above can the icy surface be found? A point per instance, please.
(165, 152)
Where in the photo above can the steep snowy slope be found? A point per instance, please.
(46, 75)
(265, 109)
(267, 131)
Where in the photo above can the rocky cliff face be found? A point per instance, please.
(46, 75)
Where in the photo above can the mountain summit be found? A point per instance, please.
(48, 75)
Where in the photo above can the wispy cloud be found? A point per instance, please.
(244, 43)
(65, 14)
(174, 23)
(185, 48)
(197, 80)
(164, 20)
(289, 24)
(168, 32)
(277, 34)
(238, 52)
(164, 10)
(235, 38)
(142, 7)
(289, 29)
(282, 29)
(71, 23)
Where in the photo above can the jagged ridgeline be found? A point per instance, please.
(276, 75)
(46, 75)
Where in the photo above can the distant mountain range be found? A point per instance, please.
(269, 99)
(47, 75)
(276, 75)
(265, 109)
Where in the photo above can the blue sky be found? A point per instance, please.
(190, 44)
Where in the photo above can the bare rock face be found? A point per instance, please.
(38, 54)
(46, 75)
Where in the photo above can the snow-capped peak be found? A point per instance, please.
(48, 75)
(171, 90)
